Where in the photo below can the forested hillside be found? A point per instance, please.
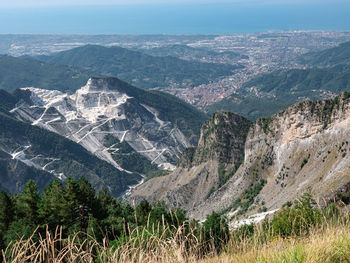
(139, 69)
(328, 57)
(28, 72)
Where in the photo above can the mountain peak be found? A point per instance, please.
(102, 84)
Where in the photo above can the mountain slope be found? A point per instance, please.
(249, 106)
(102, 117)
(170, 108)
(204, 169)
(140, 69)
(28, 72)
(283, 88)
(30, 152)
(199, 54)
(306, 145)
(328, 57)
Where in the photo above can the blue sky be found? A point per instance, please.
(170, 16)
(52, 3)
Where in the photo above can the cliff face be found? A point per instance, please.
(305, 146)
(201, 170)
(222, 139)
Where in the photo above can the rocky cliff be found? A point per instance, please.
(305, 146)
(203, 169)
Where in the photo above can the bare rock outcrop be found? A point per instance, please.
(305, 146)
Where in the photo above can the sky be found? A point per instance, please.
(55, 3)
(170, 16)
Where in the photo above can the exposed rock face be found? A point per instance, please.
(222, 139)
(99, 109)
(203, 169)
(304, 146)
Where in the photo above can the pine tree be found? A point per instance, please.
(6, 215)
(215, 230)
(28, 201)
(53, 208)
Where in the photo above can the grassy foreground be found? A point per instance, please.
(330, 244)
(302, 232)
(327, 243)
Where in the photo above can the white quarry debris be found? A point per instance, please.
(38, 161)
(253, 219)
(132, 187)
(97, 110)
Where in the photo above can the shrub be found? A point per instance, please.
(298, 219)
(215, 231)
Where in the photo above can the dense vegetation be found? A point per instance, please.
(297, 83)
(76, 208)
(299, 232)
(98, 228)
(248, 106)
(328, 57)
(191, 53)
(28, 72)
(140, 69)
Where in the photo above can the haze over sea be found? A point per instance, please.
(210, 18)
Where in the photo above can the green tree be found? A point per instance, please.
(215, 231)
(28, 201)
(72, 197)
(6, 215)
(53, 209)
(86, 194)
(297, 220)
(104, 200)
(142, 212)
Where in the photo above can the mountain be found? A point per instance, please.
(203, 169)
(304, 146)
(269, 93)
(108, 131)
(139, 69)
(102, 117)
(199, 54)
(328, 57)
(30, 152)
(28, 72)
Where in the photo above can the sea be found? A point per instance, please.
(225, 18)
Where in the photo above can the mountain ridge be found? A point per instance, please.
(305, 145)
(16, 72)
(139, 69)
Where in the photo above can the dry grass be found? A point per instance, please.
(327, 243)
(330, 243)
(144, 246)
